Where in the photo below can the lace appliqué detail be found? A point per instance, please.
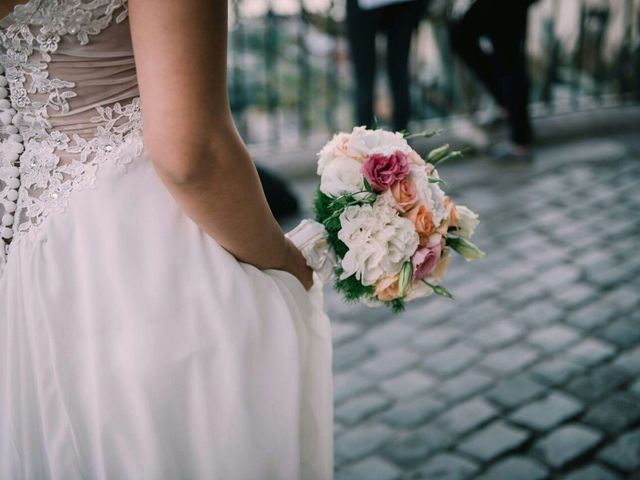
(51, 163)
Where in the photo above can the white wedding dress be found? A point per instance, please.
(132, 346)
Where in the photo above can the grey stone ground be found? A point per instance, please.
(533, 371)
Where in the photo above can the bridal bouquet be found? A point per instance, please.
(384, 228)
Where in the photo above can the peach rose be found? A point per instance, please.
(388, 288)
(441, 267)
(422, 219)
(405, 194)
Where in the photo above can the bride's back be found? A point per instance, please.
(71, 104)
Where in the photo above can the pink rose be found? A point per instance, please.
(404, 193)
(426, 258)
(382, 171)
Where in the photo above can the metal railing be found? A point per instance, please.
(290, 76)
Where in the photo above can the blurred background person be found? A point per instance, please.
(397, 19)
(500, 64)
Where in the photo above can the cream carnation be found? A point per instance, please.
(364, 142)
(343, 175)
(379, 241)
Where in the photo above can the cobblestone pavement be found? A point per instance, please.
(533, 372)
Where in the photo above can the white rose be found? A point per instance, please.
(336, 147)
(467, 221)
(342, 176)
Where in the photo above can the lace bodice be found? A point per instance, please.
(68, 105)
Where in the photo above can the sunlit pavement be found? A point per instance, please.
(533, 371)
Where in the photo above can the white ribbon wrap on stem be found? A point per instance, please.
(311, 239)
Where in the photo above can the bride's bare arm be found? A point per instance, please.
(180, 49)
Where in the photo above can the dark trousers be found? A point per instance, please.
(397, 22)
(503, 70)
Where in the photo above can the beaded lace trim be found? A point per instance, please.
(41, 166)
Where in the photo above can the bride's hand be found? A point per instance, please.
(297, 265)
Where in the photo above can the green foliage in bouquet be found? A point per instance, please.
(327, 211)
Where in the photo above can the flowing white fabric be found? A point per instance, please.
(133, 346)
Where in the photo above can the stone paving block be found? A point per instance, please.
(630, 361)
(372, 468)
(446, 466)
(493, 440)
(510, 359)
(575, 295)
(525, 293)
(553, 338)
(358, 408)
(556, 371)
(592, 472)
(623, 332)
(435, 338)
(515, 391)
(624, 453)
(361, 441)
(415, 448)
(615, 413)
(451, 360)
(474, 315)
(343, 332)
(625, 297)
(476, 287)
(497, 334)
(466, 416)
(517, 468)
(590, 352)
(607, 276)
(559, 276)
(389, 362)
(589, 317)
(598, 382)
(408, 384)
(464, 385)
(425, 318)
(389, 334)
(548, 412)
(568, 443)
(350, 384)
(413, 413)
(350, 354)
(539, 313)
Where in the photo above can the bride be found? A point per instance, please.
(155, 323)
